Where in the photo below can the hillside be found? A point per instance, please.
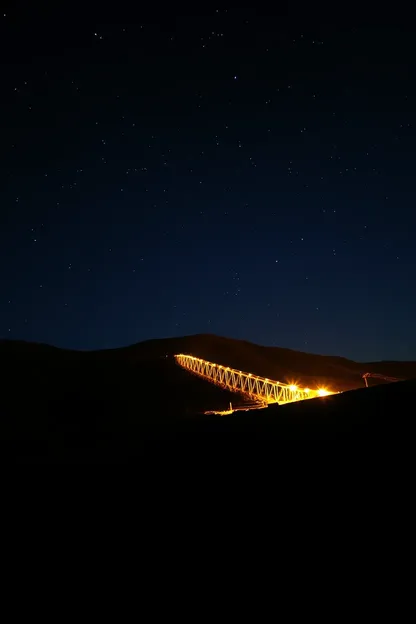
(60, 405)
(276, 363)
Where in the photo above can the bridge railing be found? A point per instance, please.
(254, 386)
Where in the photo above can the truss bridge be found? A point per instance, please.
(258, 388)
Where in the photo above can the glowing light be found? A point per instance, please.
(293, 388)
(323, 392)
(307, 390)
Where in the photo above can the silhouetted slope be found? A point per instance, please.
(383, 412)
(40, 372)
(60, 405)
(276, 363)
(401, 370)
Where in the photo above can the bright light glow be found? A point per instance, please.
(323, 392)
(307, 390)
(293, 388)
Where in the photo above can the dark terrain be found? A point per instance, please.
(70, 406)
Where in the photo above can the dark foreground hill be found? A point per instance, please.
(59, 405)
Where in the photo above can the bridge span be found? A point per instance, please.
(259, 388)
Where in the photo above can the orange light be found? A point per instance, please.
(293, 388)
(323, 392)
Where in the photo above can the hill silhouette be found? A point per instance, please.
(64, 405)
(286, 365)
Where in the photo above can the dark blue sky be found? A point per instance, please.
(234, 172)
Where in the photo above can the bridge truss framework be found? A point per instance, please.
(253, 386)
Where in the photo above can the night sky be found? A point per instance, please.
(234, 172)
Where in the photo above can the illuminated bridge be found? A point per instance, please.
(253, 386)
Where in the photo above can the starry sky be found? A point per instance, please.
(240, 172)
